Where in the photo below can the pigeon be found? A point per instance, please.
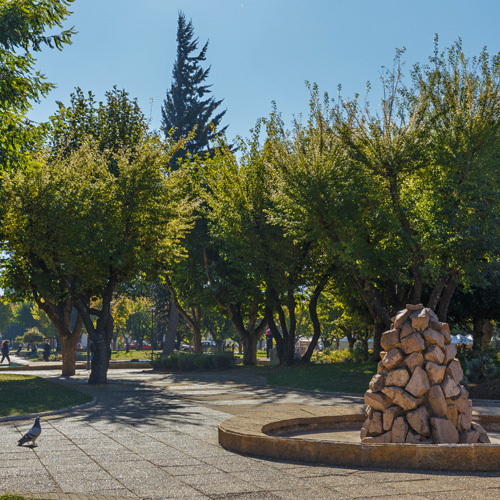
(32, 434)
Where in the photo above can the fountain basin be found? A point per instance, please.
(271, 431)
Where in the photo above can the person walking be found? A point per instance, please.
(5, 351)
(269, 343)
(46, 350)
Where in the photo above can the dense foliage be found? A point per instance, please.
(188, 111)
(326, 229)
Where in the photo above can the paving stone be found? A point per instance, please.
(177, 433)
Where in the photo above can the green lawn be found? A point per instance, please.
(335, 377)
(22, 394)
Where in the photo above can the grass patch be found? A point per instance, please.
(334, 377)
(22, 394)
(15, 497)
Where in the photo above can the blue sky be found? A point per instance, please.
(260, 50)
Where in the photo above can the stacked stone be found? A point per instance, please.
(416, 396)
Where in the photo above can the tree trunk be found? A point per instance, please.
(68, 351)
(477, 333)
(196, 329)
(170, 335)
(249, 350)
(313, 313)
(291, 341)
(99, 364)
(60, 316)
(436, 293)
(488, 330)
(446, 299)
(378, 311)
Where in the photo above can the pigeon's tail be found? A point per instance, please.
(24, 439)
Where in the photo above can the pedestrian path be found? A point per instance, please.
(156, 436)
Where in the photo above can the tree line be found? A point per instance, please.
(370, 209)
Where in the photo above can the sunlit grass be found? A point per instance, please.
(334, 377)
(23, 394)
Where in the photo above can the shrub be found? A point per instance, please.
(327, 356)
(480, 368)
(192, 362)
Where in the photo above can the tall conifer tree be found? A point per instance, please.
(187, 106)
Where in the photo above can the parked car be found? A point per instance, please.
(208, 344)
(185, 347)
(145, 345)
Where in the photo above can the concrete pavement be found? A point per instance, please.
(155, 436)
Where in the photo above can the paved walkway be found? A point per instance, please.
(155, 436)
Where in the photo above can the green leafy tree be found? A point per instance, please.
(5, 314)
(31, 336)
(23, 27)
(115, 125)
(75, 220)
(187, 108)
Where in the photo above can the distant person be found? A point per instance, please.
(269, 342)
(33, 350)
(5, 351)
(19, 347)
(46, 350)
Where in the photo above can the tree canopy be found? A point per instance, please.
(188, 111)
(23, 32)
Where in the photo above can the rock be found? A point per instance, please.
(389, 415)
(450, 351)
(452, 414)
(419, 421)
(400, 318)
(437, 401)
(377, 383)
(464, 421)
(432, 315)
(414, 307)
(420, 320)
(483, 436)
(406, 330)
(449, 386)
(377, 400)
(413, 343)
(399, 430)
(390, 339)
(445, 331)
(454, 370)
(369, 411)
(434, 354)
(419, 383)
(393, 359)
(398, 377)
(363, 433)
(381, 368)
(443, 431)
(468, 437)
(400, 397)
(435, 372)
(413, 360)
(383, 438)
(459, 401)
(375, 424)
(433, 337)
(412, 437)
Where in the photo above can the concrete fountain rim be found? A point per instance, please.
(257, 433)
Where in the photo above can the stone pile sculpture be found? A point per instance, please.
(416, 396)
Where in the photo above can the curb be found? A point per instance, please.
(264, 434)
(46, 413)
